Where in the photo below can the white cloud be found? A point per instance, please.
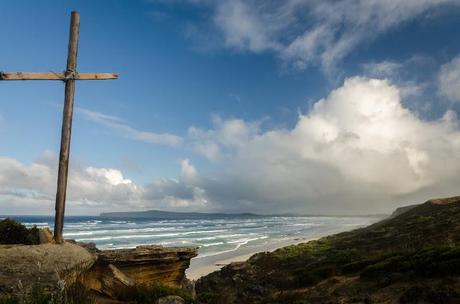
(188, 171)
(126, 131)
(359, 150)
(242, 26)
(31, 189)
(178, 193)
(226, 135)
(412, 87)
(304, 32)
(449, 80)
(383, 69)
(112, 176)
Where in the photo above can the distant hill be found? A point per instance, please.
(412, 257)
(157, 214)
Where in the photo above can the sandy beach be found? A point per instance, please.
(203, 265)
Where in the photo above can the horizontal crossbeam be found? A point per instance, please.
(56, 76)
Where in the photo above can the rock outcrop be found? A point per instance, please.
(45, 235)
(47, 266)
(143, 265)
(107, 280)
(51, 267)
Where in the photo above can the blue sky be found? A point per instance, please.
(208, 111)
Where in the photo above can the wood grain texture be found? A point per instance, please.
(66, 130)
(56, 76)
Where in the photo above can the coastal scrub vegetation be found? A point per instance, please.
(78, 294)
(141, 294)
(415, 255)
(12, 232)
(74, 294)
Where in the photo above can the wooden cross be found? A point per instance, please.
(69, 77)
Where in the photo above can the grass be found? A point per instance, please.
(74, 294)
(79, 294)
(392, 257)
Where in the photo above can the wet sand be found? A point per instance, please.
(203, 265)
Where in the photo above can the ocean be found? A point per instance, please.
(212, 235)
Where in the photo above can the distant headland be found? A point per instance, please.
(165, 215)
(158, 214)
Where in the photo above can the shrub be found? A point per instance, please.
(151, 293)
(432, 294)
(12, 232)
(432, 262)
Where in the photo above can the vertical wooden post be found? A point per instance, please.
(66, 128)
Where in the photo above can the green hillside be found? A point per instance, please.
(413, 257)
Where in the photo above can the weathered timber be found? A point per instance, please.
(66, 129)
(56, 76)
(69, 76)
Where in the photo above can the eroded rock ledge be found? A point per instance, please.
(52, 267)
(141, 265)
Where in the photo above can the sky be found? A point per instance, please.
(299, 106)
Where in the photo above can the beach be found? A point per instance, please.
(203, 265)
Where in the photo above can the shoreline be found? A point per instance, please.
(201, 266)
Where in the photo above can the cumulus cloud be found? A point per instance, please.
(359, 150)
(178, 193)
(304, 32)
(31, 188)
(415, 88)
(449, 80)
(119, 126)
(224, 138)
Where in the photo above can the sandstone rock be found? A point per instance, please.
(48, 266)
(143, 265)
(150, 264)
(107, 280)
(171, 300)
(45, 235)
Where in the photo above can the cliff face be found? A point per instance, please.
(143, 265)
(413, 257)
